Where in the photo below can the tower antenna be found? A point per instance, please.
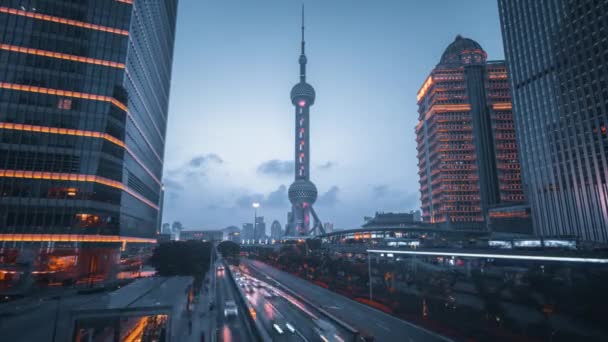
(303, 28)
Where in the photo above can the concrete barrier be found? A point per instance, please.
(253, 326)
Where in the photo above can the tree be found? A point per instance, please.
(182, 258)
(229, 249)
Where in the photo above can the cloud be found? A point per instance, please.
(327, 166)
(171, 184)
(380, 191)
(276, 168)
(196, 167)
(394, 197)
(245, 201)
(275, 199)
(204, 160)
(329, 198)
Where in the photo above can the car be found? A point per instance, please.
(277, 328)
(230, 309)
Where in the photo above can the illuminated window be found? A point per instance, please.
(87, 220)
(65, 104)
(62, 192)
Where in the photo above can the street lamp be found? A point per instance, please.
(255, 206)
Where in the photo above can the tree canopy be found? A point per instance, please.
(229, 249)
(182, 258)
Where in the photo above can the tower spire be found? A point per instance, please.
(303, 29)
(302, 54)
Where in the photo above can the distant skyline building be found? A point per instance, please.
(467, 154)
(260, 228)
(302, 192)
(276, 232)
(84, 94)
(202, 235)
(560, 88)
(232, 233)
(417, 215)
(391, 220)
(289, 226)
(328, 226)
(247, 231)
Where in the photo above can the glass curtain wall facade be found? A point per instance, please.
(84, 89)
(557, 54)
(467, 155)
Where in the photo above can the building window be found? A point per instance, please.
(65, 104)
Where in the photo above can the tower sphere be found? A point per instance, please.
(303, 91)
(302, 191)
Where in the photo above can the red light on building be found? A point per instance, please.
(302, 103)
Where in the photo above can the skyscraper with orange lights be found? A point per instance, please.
(84, 92)
(467, 154)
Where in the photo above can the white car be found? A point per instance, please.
(230, 309)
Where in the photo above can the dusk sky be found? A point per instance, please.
(231, 122)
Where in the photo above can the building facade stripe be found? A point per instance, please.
(60, 20)
(59, 55)
(59, 176)
(81, 133)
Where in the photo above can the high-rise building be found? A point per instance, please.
(467, 155)
(247, 232)
(84, 93)
(275, 230)
(166, 228)
(417, 215)
(302, 192)
(259, 228)
(289, 227)
(328, 226)
(560, 91)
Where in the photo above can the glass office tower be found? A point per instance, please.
(557, 54)
(84, 91)
(467, 156)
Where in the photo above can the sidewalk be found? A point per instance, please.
(203, 320)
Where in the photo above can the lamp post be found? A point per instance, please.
(369, 269)
(255, 206)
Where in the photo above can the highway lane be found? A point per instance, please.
(274, 306)
(382, 326)
(232, 328)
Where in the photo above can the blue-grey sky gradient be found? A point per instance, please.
(230, 132)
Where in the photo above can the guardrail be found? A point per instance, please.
(253, 326)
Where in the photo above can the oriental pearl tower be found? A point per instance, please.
(302, 192)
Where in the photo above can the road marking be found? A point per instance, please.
(301, 336)
(383, 326)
